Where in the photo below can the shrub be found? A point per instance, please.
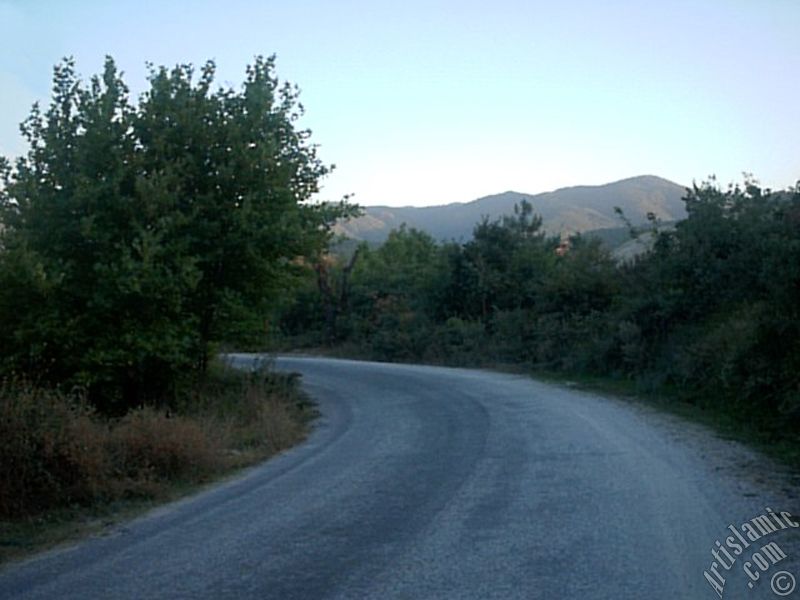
(52, 450)
(56, 451)
(149, 445)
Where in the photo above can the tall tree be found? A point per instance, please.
(153, 231)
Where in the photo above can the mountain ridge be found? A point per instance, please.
(574, 209)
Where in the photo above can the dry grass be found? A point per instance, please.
(52, 450)
(148, 448)
(59, 457)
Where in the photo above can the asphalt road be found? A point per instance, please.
(422, 482)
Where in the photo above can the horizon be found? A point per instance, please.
(549, 191)
(427, 104)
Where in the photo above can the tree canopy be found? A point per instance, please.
(138, 235)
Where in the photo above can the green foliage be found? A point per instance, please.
(407, 266)
(139, 236)
(732, 269)
(508, 257)
(712, 311)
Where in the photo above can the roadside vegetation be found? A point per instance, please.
(66, 467)
(136, 238)
(708, 318)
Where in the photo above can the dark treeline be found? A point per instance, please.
(711, 312)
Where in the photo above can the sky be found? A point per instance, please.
(422, 102)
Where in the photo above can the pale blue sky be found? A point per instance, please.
(425, 102)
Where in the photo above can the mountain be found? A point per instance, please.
(567, 210)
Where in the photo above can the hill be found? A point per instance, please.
(567, 210)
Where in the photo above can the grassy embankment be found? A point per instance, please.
(67, 471)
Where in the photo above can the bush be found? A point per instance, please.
(56, 451)
(52, 450)
(148, 446)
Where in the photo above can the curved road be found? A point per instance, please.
(423, 482)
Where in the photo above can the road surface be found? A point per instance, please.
(423, 482)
